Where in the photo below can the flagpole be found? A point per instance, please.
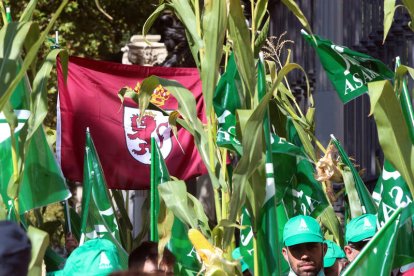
(66, 202)
(269, 219)
(153, 217)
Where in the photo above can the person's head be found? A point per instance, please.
(359, 232)
(94, 257)
(145, 259)
(303, 245)
(15, 249)
(333, 261)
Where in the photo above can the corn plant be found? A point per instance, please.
(211, 30)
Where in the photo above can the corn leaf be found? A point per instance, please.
(293, 7)
(38, 103)
(214, 26)
(392, 129)
(355, 205)
(187, 109)
(40, 241)
(261, 38)
(30, 56)
(184, 206)
(389, 10)
(13, 36)
(249, 162)
(331, 222)
(28, 11)
(240, 35)
(151, 18)
(409, 5)
(260, 10)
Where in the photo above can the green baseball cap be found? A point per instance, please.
(94, 257)
(301, 229)
(334, 252)
(236, 254)
(361, 228)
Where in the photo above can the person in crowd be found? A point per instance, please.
(304, 248)
(359, 232)
(334, 260)
(15, 249)
(236, 255)
(145, 259)
(71, 243)
(94, 257)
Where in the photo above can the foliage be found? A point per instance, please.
(208, 38)
(85, 31)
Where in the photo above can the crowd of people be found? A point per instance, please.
(305, 250)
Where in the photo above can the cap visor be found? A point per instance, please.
(303, 238)
(365, 236)
(328, 262)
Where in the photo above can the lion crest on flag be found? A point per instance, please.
(138, 134)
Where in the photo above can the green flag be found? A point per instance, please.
(306, 195)
(98, 219)
(367, 203)
(268, 241)
(390, 193)
(226, 101)
(42, 182)
(349, 71)
(179, 244)
(390, 248)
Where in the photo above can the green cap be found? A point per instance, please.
(236, 254)
(334, 252)
(301, 229)
(94, 257)
(361, 228)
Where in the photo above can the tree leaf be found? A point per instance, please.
(392, 130)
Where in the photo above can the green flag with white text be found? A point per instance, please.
(348, 70)
(391, 247)
(179, 244)
(305, 195)
(98, 219)
(390, 193)
(226, 101)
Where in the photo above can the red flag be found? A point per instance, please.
(89, 99)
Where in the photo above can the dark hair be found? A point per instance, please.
(149, 251)
(358, 245)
